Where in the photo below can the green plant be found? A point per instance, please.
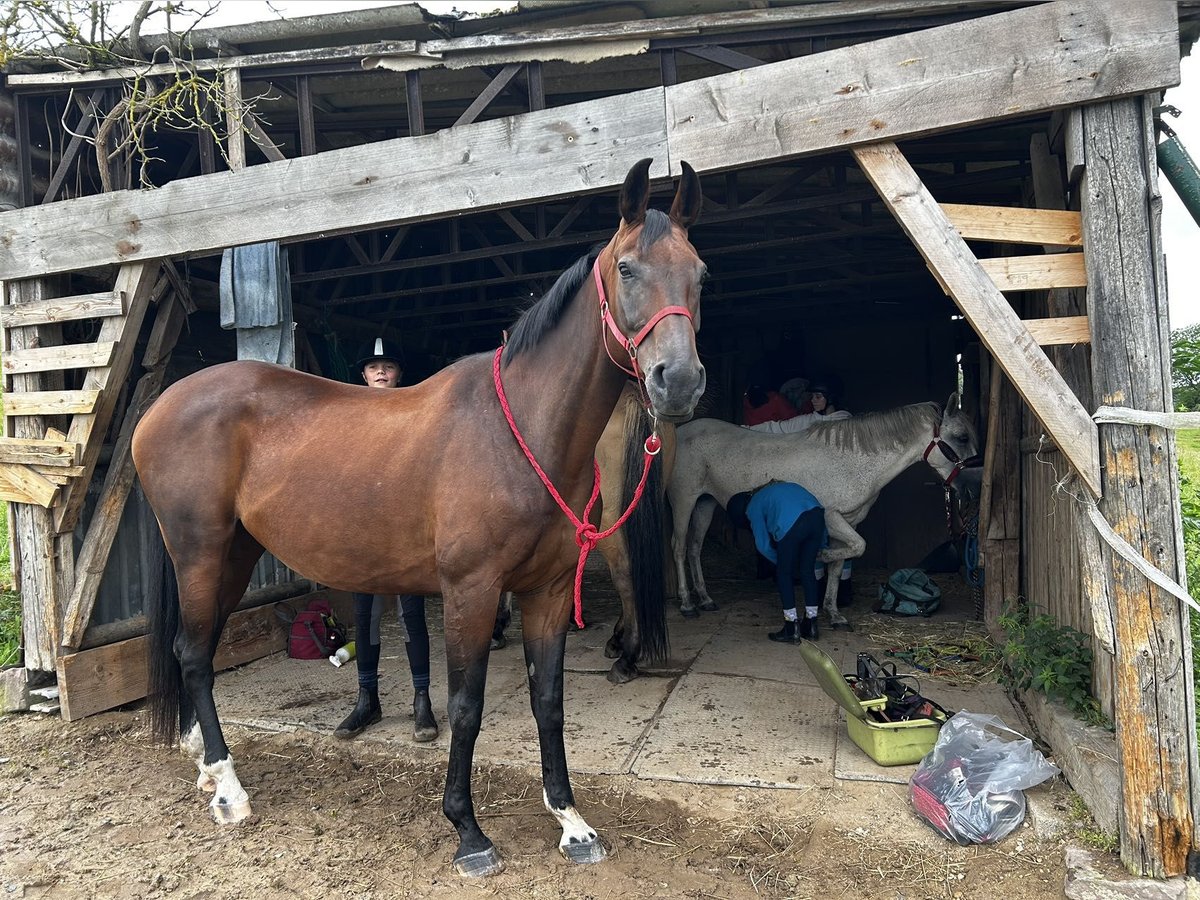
(1189, 501)
(1051, 658)
(10, 604)
(1085, 830)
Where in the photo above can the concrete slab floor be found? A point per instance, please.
(728, 707)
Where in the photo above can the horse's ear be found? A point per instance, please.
(954, 404)
(686, 208)
(635, 193)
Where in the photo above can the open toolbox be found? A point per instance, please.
(888, 741)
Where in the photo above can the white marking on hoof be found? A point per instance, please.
(579, 842)
(230, 804)
(206, 783)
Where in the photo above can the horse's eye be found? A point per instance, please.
(625, 269)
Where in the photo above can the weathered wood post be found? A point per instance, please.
(1127, 311)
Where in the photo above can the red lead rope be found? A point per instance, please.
(586, 535)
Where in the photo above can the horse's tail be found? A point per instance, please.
(162, 606)
(644, 536)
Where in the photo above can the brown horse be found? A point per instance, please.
(246, 456)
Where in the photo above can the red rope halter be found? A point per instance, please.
(586, 535)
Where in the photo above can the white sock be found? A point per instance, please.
(789, 615)
(810, 612)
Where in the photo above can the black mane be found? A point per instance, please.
(546, 312)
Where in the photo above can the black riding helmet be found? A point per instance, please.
(380, 349)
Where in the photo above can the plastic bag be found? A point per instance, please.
(969, 786)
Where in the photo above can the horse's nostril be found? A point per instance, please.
(657, 376)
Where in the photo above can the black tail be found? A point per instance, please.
(162, 606)
(644, 537)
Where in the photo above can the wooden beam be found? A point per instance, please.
(36, 554)
(1154, 708)
(49, 403)
(235, 117)
(63, 309)
(489, 93)
(997, 325)
(92, 681)
(1059, 330)
(92, 558)
(31, 451)
(1036, 273)
(779, 110)
(1014, 225)
(84, 127)
(137, 282)
(55, 359)
(1070, 52)
(29, 483)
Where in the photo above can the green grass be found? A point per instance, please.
(1188, 443)
(10, 605)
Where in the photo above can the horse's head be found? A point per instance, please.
(652, 275)
(953, 442)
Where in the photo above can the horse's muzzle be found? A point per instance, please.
(674, 389)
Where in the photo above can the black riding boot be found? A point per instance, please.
(809, 628)
(425, 727)
(787, 635)
(366, 712)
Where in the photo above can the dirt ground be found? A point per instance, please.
(93, 809)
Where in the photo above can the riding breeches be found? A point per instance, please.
(797, 552)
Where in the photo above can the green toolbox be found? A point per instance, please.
(889, 743)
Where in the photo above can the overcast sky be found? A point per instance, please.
(1181, 234)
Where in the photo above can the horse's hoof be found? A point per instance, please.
(841, 626)
(206, 783)
(225, 813)
(584, 852)
(498, 643)
(612, 650)
(479, 864)
(689, 612)
(709, 606)
(622, 672)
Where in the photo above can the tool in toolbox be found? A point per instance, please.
(884, 717)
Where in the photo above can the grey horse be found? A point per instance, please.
(845, 464)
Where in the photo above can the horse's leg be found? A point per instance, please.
(844, 543)
(469, 610)
(701, 519)
(503, 617)
(623, 645)
(210, 588)
(544, 617)
(681, 517)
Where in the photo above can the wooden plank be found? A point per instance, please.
(92, 681)
(32, 451)
(10, 493)
(1059, 330)
(1036, 273)
(235, 115)
(935, 79)
(985, 308)
(924, 81)
(49, 403)
(36, 556)
(93, 555)
(582, 149)
(1015, 225)
(1154, 711)
(62, 309)
(29, 483)
(137, 282)
(54, 359)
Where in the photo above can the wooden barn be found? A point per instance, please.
(907, 196)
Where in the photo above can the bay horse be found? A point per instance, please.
(248, 456)
(844, 464)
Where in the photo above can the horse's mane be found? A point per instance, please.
(545, 312)
(875, 431)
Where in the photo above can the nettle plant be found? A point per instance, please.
(1054, 659)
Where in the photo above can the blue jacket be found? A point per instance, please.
(772, 512)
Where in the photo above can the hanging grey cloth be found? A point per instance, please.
(256, 300)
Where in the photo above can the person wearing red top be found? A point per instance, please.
(760, 405)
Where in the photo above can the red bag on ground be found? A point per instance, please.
(314, 633)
